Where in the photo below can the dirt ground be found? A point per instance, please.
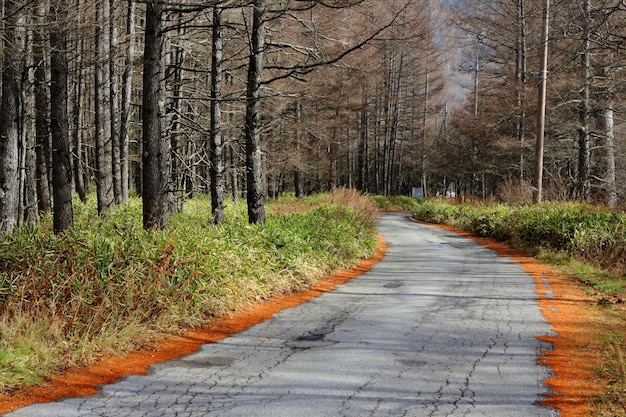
(563, 303)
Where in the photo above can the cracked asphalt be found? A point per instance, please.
(441, 327)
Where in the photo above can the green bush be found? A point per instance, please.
(581, 230)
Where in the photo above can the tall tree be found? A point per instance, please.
(12, 71)
(114, 102)
(78, 112)
(63, 216)
(584, 129)
(127, 90)
(254, 172)
(217, 144)
(42, 128)
(28, 158)
(155, 155)
(102, 113)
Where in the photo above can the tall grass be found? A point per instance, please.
(107, 286)
(593, 234)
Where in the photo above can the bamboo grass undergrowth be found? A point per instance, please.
(107, 286)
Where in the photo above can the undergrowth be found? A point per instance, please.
(107, 286)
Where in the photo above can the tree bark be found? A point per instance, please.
(13, 68)
(42, 131)
(63, 217)
(102, 102)
(541, 107)
(155, 172)
(522, 81)
(254, 174)
(217, 143)
(127, 89)
(28, 136)
(584, 135)
(610, 179)
(114, 103)
(179, 149)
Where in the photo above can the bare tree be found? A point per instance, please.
(155, 155)
(584, 129)
(102, 102)
(12, 72)
(217, 143)
(42, 128)
(126, 93)
(63, 217)
(254, 172)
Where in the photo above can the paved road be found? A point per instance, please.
(441, 327)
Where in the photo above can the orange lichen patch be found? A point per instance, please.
(84, 380)
(569, 310)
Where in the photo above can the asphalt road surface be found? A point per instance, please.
(440, 327)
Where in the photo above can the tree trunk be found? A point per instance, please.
(298, 175)
(114, 103)
(42, 132)
(217, 143)
(541, 107)
(254, 174)
(179, 157)
(155, 172)
(13, 68)
(127, 89)
(102, 102)
(81, 180)
(28, 137)
(522, 81)
(609, 132)
(63, 217)
(584, 135)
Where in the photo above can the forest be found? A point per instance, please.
(249, 99)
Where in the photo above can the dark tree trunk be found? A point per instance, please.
(254, 173)
(155, 151)
(14, 37)
(63, 217)
(217, 143)
(522, 81)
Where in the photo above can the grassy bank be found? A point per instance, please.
(584, 242)
(107, 286)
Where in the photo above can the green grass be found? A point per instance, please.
(107, 286)
(397, 203)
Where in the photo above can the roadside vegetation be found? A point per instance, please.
(107, 286)
(585, 242)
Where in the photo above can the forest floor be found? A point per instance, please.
(573, 314)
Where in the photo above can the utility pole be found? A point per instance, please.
(475, 69)
(541, 109)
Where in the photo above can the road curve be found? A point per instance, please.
(440, 327)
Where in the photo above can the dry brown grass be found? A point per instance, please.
(362, 204)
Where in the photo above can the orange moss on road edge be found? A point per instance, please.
(565, 306)
(85, 380)
(568, 309)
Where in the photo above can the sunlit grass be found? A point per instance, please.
(107, 286)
